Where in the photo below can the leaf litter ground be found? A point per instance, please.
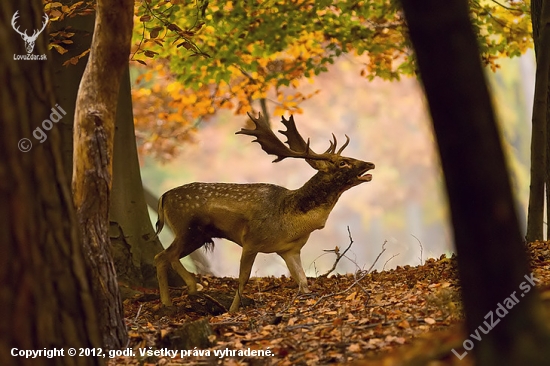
(404, 316)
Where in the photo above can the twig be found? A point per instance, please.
(290, 302)
(339, 256)
(322, 298)
(421, 247)
(506, 7)
(357, 280)
(378, 256)
(393, 256)
(213, 300)
(138, 312)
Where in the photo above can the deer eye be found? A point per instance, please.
(343, 164)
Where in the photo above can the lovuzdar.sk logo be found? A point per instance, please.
(29, 40)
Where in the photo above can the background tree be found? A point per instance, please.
(95, 113)
(71, 30)
(491, 257)
(540, 175)
(44, 284)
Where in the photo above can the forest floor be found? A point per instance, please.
(404, 316)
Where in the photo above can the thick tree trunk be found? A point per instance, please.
(130, 225)
(44, 286)
(131, 228)
(539, 137)
(93, 150)
(491, 257)
(540, 18)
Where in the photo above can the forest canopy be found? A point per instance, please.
(208, 56)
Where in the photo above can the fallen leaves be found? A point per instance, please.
(408, 315)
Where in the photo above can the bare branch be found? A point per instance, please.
(339, 256)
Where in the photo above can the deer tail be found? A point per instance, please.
(160, 221)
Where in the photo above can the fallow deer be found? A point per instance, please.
(260, 217)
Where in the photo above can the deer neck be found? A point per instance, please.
(319, 191)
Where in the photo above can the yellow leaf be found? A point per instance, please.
(52, 5)
(58, 48)
(172, 87)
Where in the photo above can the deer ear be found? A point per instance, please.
(320, 165)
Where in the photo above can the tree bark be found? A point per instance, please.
(491, 257)
(131, 228)
(67, 78)
(92, 160)
(45, 293)
(539, 137)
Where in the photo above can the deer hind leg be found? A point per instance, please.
(294, 264)
(247, 260)
(161, 263)
(172, 256)
(187, 277)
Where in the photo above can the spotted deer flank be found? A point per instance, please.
(260, 217)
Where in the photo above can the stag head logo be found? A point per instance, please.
(29, 40)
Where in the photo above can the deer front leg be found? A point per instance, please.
(294, 264)
(247, 260)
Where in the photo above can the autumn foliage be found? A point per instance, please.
(191, 59)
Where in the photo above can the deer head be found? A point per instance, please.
(347, 171)
(261, 218)
(29, 40)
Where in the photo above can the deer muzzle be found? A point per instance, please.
(363, 177)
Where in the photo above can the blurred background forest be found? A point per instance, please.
(388, 125)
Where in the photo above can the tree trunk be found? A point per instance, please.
(92, 160)
(67, 78)
(539, 137)
(491, 257)
(541, 46)
(44, 285)
(131, 228)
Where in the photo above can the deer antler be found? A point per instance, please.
(297, 143)
(24, 34)
(343, 146)
(294, 139)
(273, 146)
(29, 40)
(298, 147)
(15, 27)
(46, 18)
